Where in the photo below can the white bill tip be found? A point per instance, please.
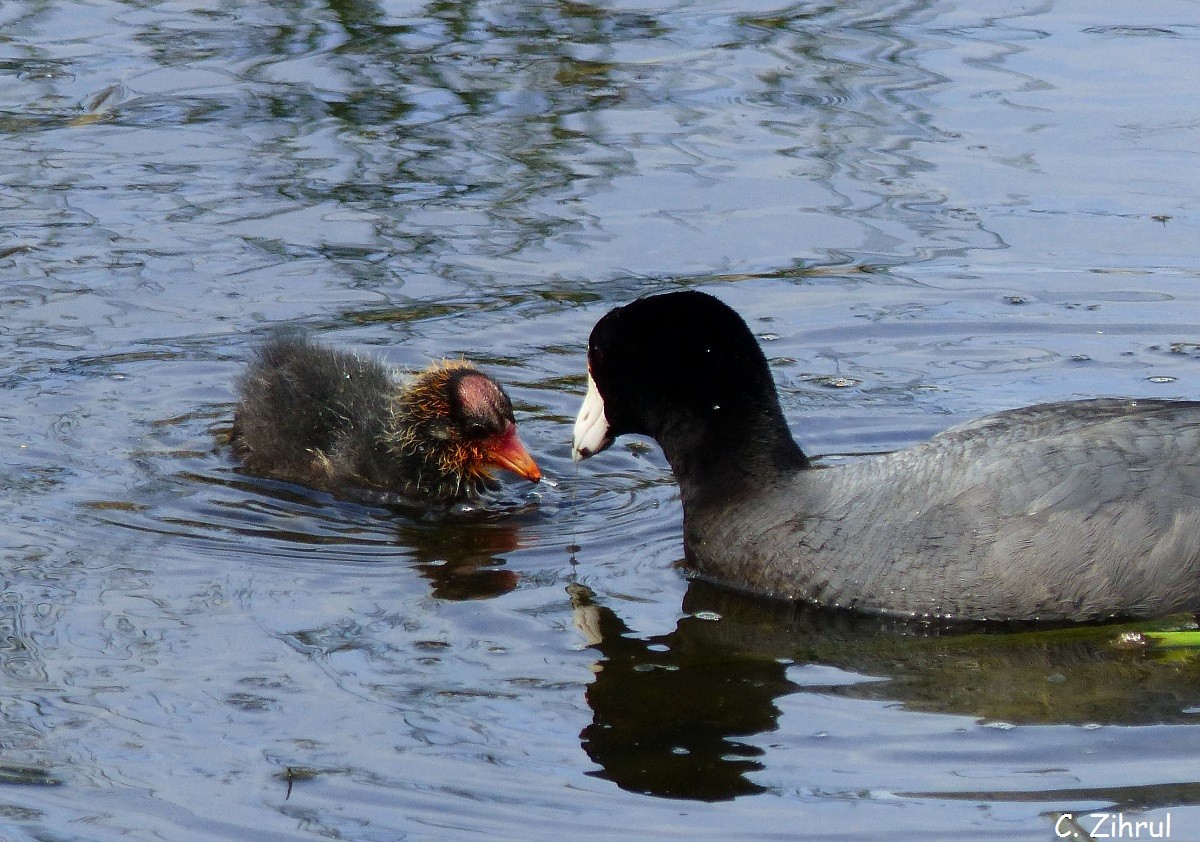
(591, 427)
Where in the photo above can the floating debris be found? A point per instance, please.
(100, 106)
(27, 775)
(1173, 639)
(834, 381)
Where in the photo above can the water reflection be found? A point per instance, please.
(667, 715)
(502, 98)
(671, 711)
(487, 178)
(463, 560)
(461, 552)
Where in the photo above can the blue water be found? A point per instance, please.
(926, 210)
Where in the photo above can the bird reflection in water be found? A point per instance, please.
(668, 715)
(462, 559)
(674, 715)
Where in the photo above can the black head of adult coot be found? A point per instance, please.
(335, 420)
(1075, 511)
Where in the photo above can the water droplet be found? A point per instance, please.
(1162, 378)
(706, 615)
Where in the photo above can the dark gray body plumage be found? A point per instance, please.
(1070, 511)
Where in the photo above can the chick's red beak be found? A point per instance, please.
(506, 451)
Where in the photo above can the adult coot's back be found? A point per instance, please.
(1067, 511)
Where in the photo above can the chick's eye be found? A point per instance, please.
(476, 430)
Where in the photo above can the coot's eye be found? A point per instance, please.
(476, 430)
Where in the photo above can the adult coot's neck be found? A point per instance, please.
(730, 448)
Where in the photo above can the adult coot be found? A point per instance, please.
(336, 420)
(1066, 511)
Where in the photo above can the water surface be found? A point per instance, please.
(926, 213)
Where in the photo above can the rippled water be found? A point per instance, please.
(926, 211)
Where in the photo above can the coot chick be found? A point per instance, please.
(335, 420)
(1076, 511)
